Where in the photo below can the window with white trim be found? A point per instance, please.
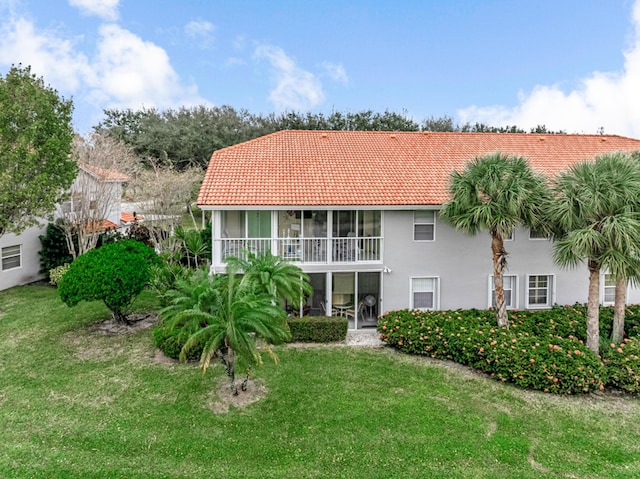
(424, 225)
(511, 236)
(608, 288)
(11, 257)
(537, 234)
(539, 291)
(510, 287)
(424, 293)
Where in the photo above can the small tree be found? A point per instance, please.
(228, 317)
(35, 142)
(495, 193)
(115, 274)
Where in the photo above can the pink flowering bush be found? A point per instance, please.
(530, 354)
(623, 364)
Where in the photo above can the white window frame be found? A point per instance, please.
(551, 291)
(514, 291)
(537, 238)
(511, 237)
(9, 253)
(422, 222)
(603, 290)
(435, 291)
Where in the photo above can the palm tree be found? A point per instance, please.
(270, 274)
(228, 318)
(595, 212)
(495, 192)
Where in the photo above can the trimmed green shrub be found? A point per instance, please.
(115, 274)
(54, 251)
(542, 360)
(622, 362)
(318, 329)
(170, 342)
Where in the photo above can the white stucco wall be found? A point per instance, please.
(30, 260)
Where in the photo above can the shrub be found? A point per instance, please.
(318, 329)
(54, 251)
(542, 360)
(115, 274)
(622, 362)
(170, 342)
(56, 274)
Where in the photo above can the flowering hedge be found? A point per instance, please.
(541, 350)
(623, 364)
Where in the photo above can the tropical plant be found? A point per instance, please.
(115, 274)
(193, 245)
(595, 213)
(496, 193)
(226, 317)
(270, 274)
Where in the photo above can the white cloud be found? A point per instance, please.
(336, 72)
(124, 71)
(295, 89)
(105, 9)
(201, 31)
(610, 100)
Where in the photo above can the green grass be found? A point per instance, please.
(77, 403)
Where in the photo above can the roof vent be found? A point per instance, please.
(393, 137)
(541, 138)
(603, 139)
(324, 135)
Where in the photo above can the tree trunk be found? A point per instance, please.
(231, 373)
(119, 317)
(617, 333)
(499, 265)
(593, 307)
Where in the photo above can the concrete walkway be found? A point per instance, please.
(364, 338)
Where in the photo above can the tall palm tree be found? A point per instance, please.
(495, 192)
(228, 318)
(595, 212)
(270, 274)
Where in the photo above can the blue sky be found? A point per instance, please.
(569, 64)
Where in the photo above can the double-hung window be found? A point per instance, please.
(424, 293)
(424, 225)
(510, 287)
(540, 291)
(608, 289)
(11, 257)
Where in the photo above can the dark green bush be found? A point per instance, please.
(171, 341)
(542, 360)
(622, 362)
(318, 329)
(54, 251)
(114, 274)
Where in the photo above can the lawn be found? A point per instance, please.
(78, 403)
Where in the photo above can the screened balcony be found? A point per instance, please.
(314, 237)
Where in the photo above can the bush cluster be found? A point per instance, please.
(541, 350)
(623, 364)
(56, 274)
(318, 329)
(170, 341)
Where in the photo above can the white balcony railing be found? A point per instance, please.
(307, 250)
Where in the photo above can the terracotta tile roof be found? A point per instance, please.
(103, 174)
(104, 225)
(359, 168)
(128, 217)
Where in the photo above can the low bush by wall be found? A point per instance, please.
(318, 329)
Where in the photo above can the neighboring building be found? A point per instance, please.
(358, 211)
(94, 191)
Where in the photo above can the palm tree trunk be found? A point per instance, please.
(617, 333)
(593, 307)
(499, 264)
(231, 373)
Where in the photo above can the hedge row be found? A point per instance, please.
(541, 350)
(318, 329)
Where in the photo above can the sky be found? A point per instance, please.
(572, 65)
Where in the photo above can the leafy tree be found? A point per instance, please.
(228, 317)
(35, 143)
(115, 274)
(270, 274)
(596, 217)
(496, 193)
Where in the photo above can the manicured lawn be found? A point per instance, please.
(77, 403)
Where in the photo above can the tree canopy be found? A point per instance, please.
(35, 146)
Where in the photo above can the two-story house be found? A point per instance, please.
(95, 193)
(358, 212)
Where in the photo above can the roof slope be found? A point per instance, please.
(365, 168)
